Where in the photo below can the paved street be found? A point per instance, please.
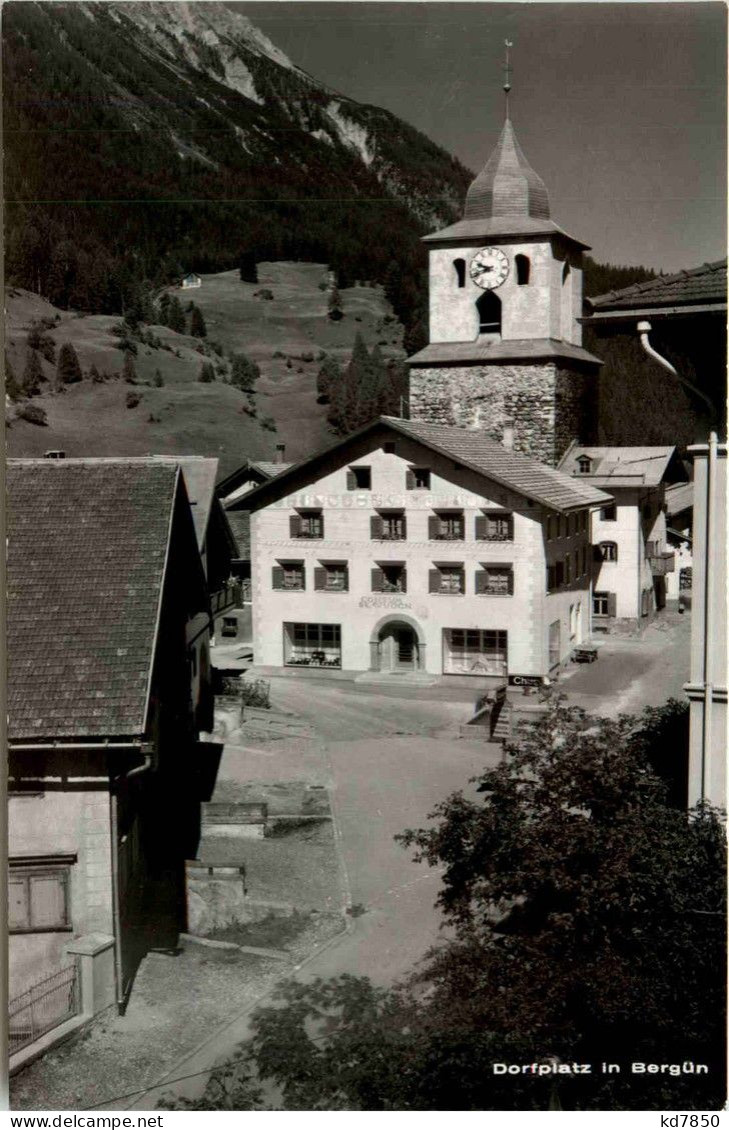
(388, 760)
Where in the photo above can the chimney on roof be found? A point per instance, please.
(507, 438)
(54, 454)
(280, 452)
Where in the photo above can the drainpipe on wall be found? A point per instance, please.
(708, 610)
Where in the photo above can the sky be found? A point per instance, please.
(620, 108)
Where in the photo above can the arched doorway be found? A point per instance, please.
(397, 646)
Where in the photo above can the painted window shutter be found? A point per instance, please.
(409, 480)
(377, 579)
(294, 526)
(277, 577)
(376, 526)
(303, 576)
(345, 584)
(321, 525)
(351, 481)
(510, 520)
(612, 604)
(404, 580)
(481, 531)
(511, 582)
(433, 527)
(481, 578)
(434, 580)
(320, 579)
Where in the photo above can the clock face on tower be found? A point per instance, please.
(489, 268)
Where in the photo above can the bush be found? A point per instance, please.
(33, 374)
(40, 341)
(336, 315)
(278, 354)
(158, 379)
(265, 294)
(133, 399)
(197, 323)
(207, 373)
(127, 345)
(33, 414)
(95, 376)
(12, 388)
(256, 693)
(244, 373)
(268, 423)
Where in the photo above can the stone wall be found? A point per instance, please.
(548, 405)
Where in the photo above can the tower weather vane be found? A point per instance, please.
(507, 73)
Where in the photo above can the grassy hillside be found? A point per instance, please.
(185, 416)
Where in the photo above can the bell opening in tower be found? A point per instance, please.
(489, 313)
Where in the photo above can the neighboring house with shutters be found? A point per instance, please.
(106, 590)
(416, 549)
(231, 492)
(630, 549)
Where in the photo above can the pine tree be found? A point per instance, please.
(248, 267)
(244, 373)
(12, 387)
(328, 377)
(176, 315)
(95, 376)
(129, 373)
(164, 309)
(334, 303)
(33, 374)
(68, 369)
(207, 373)
(158, 379)
(197, 323)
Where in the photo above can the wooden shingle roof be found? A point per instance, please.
(87, 547)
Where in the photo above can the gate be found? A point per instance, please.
(44, 1006)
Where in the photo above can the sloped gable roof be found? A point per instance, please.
(87, 546)
(474, 450)
(704, 285)
(620, 466)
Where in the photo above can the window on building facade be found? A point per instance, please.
(609, 513)
(474, 652)
(496, 526)
(359, 478)
(317, 645)
(289, 575)
(607, 551)
(551, 578)
(389, 447)
(459, 266)
(495, 580)
(603, 604)
(558, 574)
(584, 463)
(447, 579)
(332, 576)
(522, 270)
(307, 524)
(389, 577)
(417, 478)
(388, 525)
(447, 525)
(38, 896)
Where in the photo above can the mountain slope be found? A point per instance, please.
(143, 139)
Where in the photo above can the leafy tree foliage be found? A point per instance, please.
(197, 323)
(587, 925)
(32, 374)
(68, 369)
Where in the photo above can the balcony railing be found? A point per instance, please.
(662, 563)
(224, 598)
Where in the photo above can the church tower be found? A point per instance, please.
(505, 345)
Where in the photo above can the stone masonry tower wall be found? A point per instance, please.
(547, 404)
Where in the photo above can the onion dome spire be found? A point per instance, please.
(507, 185)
